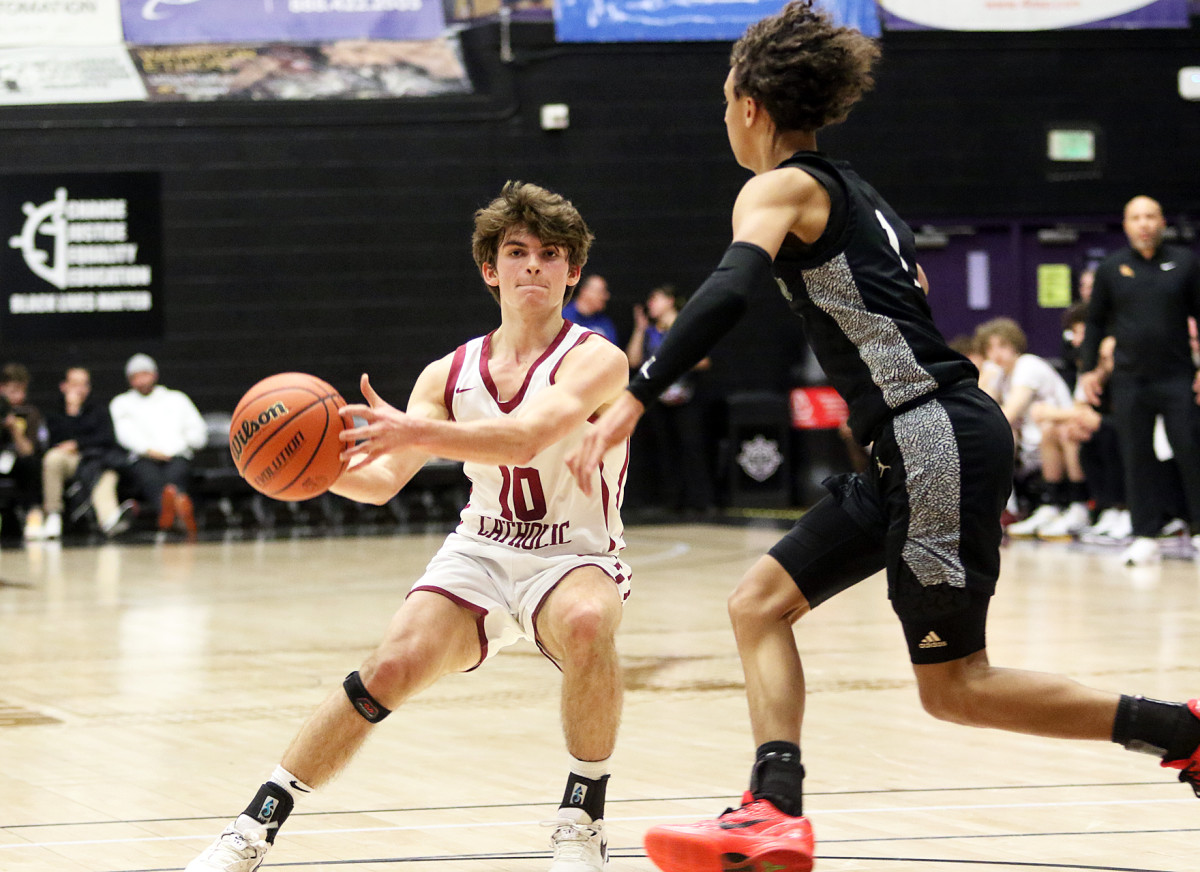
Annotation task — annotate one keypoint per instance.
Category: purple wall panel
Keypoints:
(1015, 252)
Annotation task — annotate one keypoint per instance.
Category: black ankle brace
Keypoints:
(778, 776)
(585, 793)
(270, 807)
(366, 705)
(1164, 729)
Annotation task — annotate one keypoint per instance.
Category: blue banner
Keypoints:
(174, 22)
(678, 20)
(991, 15)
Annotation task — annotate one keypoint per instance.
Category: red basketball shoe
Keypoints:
(1189, 765)
(757, 837)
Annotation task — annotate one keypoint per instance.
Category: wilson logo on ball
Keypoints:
(242, 437)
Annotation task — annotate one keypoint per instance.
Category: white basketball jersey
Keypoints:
(538, 507)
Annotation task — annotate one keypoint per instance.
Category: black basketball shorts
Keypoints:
(927, 511)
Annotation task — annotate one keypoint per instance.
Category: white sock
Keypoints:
(593, 769)
(289, 782)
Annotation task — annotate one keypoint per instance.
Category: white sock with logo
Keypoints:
(289, 782)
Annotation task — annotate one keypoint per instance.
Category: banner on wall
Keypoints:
(81, 256)
(59, 22)
(343, 70)
(1002, 15)
(677, 20)
(173, 22)
(73, 74)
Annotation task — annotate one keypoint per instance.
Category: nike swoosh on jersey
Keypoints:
(1166, 266)
(464, 390)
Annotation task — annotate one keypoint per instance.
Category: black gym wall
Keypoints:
(334, 237)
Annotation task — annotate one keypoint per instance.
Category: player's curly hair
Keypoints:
(551, 217)
(806, 71)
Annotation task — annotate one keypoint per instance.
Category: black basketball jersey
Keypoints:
(864, 312)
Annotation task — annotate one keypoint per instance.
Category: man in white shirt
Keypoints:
(160, 428)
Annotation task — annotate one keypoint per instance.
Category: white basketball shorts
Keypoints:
(505, 588)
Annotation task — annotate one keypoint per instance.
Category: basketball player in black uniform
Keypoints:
(927, 510)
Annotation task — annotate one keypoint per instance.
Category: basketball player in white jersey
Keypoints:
(533, 557)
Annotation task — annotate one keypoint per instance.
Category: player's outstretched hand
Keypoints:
(615, 425)
(383, 430)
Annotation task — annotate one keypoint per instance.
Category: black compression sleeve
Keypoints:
(718, 305)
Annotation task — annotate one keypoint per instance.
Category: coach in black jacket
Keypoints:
(1143, 296)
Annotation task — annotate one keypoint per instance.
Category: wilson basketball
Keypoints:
(285, 436)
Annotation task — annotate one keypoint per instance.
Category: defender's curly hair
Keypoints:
(806, 71)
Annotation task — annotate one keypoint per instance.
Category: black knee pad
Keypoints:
(365, 704)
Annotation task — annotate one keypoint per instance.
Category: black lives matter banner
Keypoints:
(80, 256)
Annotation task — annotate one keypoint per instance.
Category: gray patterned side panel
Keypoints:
(926, 441)
(881, 345)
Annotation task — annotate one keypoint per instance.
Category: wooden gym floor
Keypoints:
(147, 690)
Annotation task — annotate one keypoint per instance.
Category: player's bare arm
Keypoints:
(590, 376)
(768, 208)
(375, 476)
(779, 202)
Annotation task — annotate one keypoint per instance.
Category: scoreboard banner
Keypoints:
(173, 22)
(1004, 15)
(678, 20)
(80, 256)
(59, 22)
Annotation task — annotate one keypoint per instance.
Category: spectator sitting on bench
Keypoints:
(22, 441)
(160, 428)
(82, 447)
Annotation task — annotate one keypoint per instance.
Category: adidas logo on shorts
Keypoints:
(932, 640)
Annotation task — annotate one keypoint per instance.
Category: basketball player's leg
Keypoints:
(943, 561)
(972, 692)
(576, 626)
(826, 552)
(428, 637)
(838, 543)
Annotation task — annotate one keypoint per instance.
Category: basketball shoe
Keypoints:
(1028, 529)
(754, 838)
(1189, 766)
(578, 847)
(241, 848)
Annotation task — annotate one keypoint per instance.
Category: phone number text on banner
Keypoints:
(174, 22)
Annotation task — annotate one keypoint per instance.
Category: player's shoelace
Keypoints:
(747, 809)
(235, 846)
(571, 840)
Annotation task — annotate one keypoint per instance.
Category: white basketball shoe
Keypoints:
(1066, 525)
(1027, 529)
(241, 848)
(578, 847)
(1144, 551)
